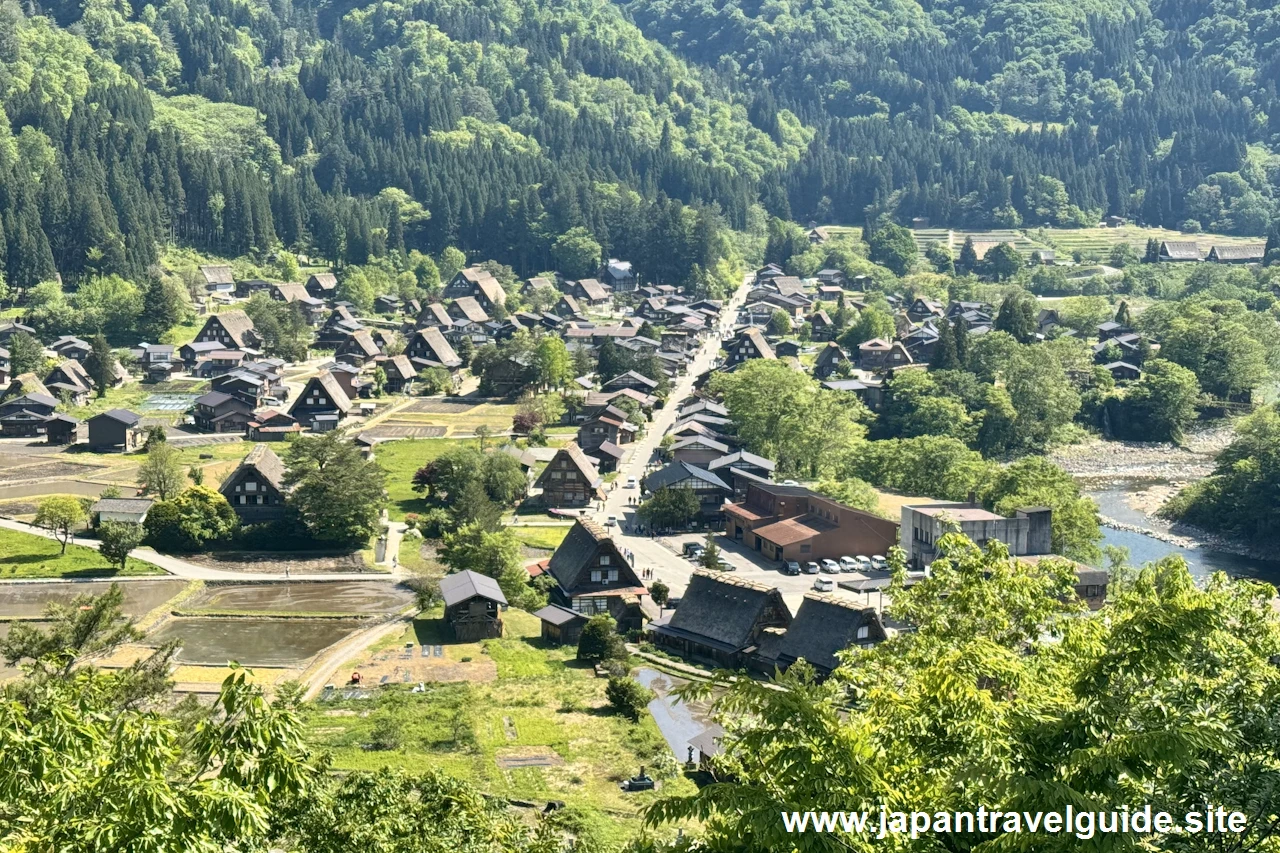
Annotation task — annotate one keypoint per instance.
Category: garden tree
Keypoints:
(452, 260)
(482, 435)
(425, 273)
(284, 328)
(577, 253)
(60, 515)
(968, 260)
(599, 640)
(155, 435)
(1034, 481)
(628, 697)
(871, 323)
(25, 355)
(960, 336)
(1152, 253)
(446, 475)
(100, 364)
(162, 472)
(287, 266)
(333, 490)
(466, 351)
(434, 380)
(494, 553)
(612, 361)
(660, 593)
(379, 380)
(945, 356)
(710, 557)
(1238, 499)
(167, 787)
(1017, 316)
(669, 509)
(554, 367)
(472, 505)
(118, 539)
(1160, 405)
(851, 491)
(1002, 261)
(1123, 255)
(940, 256)
(893, 246)
(504, 479)
(164, 305)
(989, 355)
(432, 812)
(779, 323)
(194, 520)
(534, 411)
(787, 416)
(1123, 317)
(354, 287)
(108, 305)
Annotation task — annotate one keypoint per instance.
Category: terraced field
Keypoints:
(1090, 242)
(1099, 241)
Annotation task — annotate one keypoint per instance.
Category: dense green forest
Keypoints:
(353, 131)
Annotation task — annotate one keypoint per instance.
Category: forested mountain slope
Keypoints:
(925, 108)
(352, 130)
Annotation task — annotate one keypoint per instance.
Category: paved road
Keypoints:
(652, 553)
(662, 554)
(184, 569)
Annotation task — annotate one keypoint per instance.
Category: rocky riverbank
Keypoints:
(1102, 460)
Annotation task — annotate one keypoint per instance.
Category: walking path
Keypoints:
(193, 571)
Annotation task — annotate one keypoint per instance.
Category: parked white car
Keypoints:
(830, 567)
(864, 563)
(879, 562)
(848, 564)
(824, 585)
(631, 483)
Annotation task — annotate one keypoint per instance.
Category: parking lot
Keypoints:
(754, 566)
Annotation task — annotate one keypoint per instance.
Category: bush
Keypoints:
(387, 734)
(628, 696)
(615, 668)
(599, 640)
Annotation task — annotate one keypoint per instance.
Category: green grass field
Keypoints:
(401, 459)
(25, 555)
(542, 537)
(542, 704)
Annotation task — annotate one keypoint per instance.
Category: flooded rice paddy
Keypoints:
(252, 642)
(26, 600)
(357, 597)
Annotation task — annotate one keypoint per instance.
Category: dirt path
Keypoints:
(321, 670)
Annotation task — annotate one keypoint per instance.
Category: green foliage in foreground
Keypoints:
(1003, 697)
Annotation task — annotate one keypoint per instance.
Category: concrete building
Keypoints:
(1027, 533)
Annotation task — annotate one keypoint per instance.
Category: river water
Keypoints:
(1113, 501)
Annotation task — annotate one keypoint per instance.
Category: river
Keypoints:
(1114, 502)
